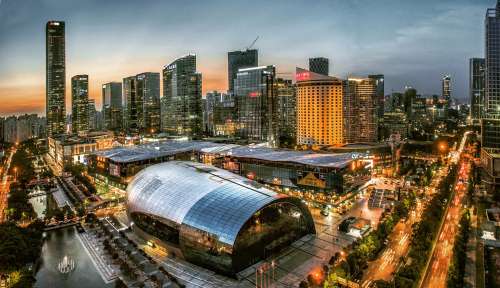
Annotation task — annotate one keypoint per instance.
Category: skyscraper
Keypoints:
(379, 82)
(55, 85)
(446, 89)
(112, 105)
(141, 94)
(286, 107)
(490, 124)
(255, 104)
(319, 109)
(237, 60)
(181, 102)
(148, 89)
(476, 88)
(130, 104)
(319, 65)
(360, 110)
(93, 125)
(80, 104)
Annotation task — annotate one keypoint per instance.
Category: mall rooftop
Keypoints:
(166, 148)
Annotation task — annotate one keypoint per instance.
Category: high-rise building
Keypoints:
(319, 109)
(55, 85)
(476, 88)
(319, 65)
(237, 60)
(211, 101)
(80, 104)
(93, 124)
(490, 124)
(255, 104)
(360, 110)
(379, 82)
(112, 105)
(148, 89)
(141, 95)
(286, 105)
(409, 97)
(446, 89)
(181, 103)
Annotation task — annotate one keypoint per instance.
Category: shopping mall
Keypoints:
(217, 219)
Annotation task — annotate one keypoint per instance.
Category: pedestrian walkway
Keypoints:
(94, 250)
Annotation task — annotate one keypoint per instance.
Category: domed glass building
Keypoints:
(217, 219)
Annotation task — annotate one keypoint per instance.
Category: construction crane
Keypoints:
(253, 43)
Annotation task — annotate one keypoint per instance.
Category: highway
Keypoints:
(437, 270)
(4, 187)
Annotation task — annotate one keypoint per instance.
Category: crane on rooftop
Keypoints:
(253, 43)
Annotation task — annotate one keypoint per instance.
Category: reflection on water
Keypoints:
(61, 243)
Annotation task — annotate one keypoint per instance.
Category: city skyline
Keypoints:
(307, 30)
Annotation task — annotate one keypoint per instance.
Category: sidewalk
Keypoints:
(470, 264)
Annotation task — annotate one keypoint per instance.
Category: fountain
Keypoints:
(66, 265)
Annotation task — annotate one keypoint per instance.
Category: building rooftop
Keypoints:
(166, 148)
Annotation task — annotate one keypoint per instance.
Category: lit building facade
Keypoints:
(379, 82)
(446, 89)
(80, 104)
(476, 88)
(319, 109)
(182, 101)
(94, 122)
(360, 111)
(319, 65)
(112, 108)
(238, 60)
(55, 85)
(256, 104)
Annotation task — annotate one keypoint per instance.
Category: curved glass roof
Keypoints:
(197, 195)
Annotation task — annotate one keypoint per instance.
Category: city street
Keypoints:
(437, 270)
(4, 187)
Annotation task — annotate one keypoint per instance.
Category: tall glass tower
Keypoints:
(181, 103)
(319, 65)
(476, 88)
(256, 104)
(80, 103)
(55, 58)
(112, 105)
(238, 60)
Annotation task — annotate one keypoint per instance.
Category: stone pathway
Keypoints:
(92, 247)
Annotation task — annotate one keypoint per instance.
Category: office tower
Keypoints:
(255, 104)
(319, 65)
(319, 108)
(476, 88)
(409, 97)
(394, 102)
(80, 103)
(10, 129)
(130, 103)
(286, 105)
(148, 90)
(211, 101)
(55, 84)
(360, 110)
(394, 123)
(141, 95)
(112, 110)
(181, 102)
(92, 115)
(379, 82)
(237, 60)
(224, 116)
(490, 124)
(446, 89)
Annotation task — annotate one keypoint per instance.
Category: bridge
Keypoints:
(61, 225)
(40, 193)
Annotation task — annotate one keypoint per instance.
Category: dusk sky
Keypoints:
(411, 42)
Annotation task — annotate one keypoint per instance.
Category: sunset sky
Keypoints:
(411, 42)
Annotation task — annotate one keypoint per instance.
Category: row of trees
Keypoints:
(456, 272)
(424, 233)
(78, 171)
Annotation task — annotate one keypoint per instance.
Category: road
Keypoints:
(4, 187)
(437, 270)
